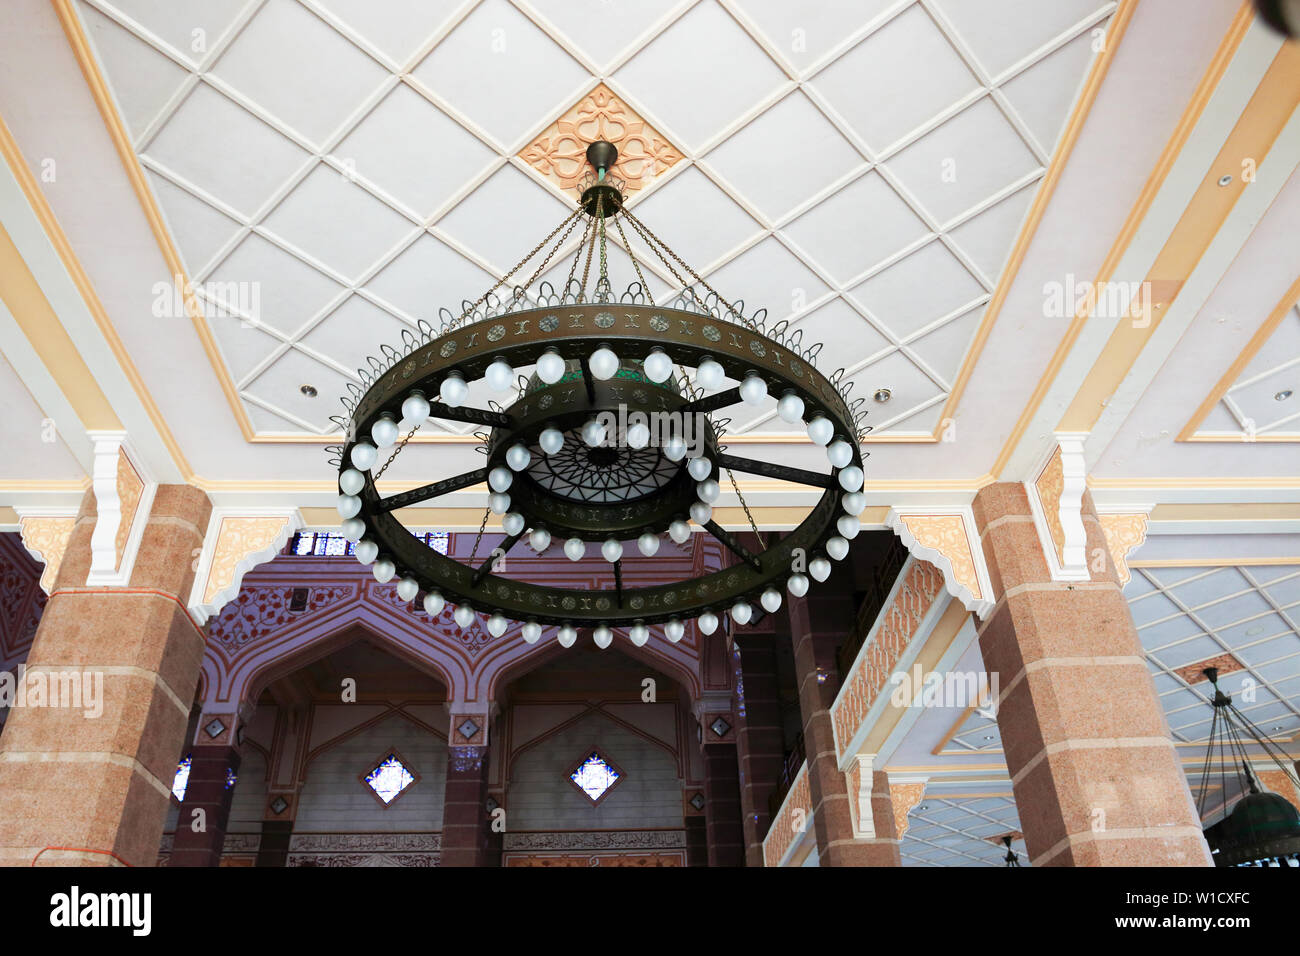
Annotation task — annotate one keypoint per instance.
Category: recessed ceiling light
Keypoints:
(1283, 395)
(1225, 180)
(989, 737)
(883, 395)
(308, 390)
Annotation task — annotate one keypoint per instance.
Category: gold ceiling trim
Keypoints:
(1254, 133)
(1280, 311)
(1182, 131)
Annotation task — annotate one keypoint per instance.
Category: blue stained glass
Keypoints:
(182, 778)
(595, 776)
(389, 779)
(230, 778)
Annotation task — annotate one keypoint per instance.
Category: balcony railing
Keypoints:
(882, 582)
(789, 770)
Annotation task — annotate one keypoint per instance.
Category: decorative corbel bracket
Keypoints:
(123, 497)
(906, 793)
(859, 781)
(1056, 502)
(45, 533)
(237, 540)
(1125, 530)
(946, 537)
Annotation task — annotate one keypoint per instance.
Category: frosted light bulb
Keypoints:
(657, 366)
(500, 478)
(566, 636)
(551, 440)
(408, 588)
(518, 457)
(513, 523)
(363, 456)
(550, 367)
(366, 551)
(648, 544)
(463, 615)
(539, 540)
(638, 436)
(434, 603)
(348, 506)
(790, 408)
(821, 430)
(853, 502)
(837, 548)
(638, 634)
(603, 363)
(701, 513)
(708, 490)
(603, 637)
(383, 570)
(819, 568)
(353, 529)
(839, 453)
(709, 375)
(674, 630)
(384, 431)
(531, 632)
(415, 410)
(497, 624)
(575, 549)
(498, 503)
(851, 478)
(707, 622)
(500, 376)
(454, 390)
(611, 550)
(771, 599)
(700, 468)
(753, 390)
(593, 433)
(848, 526)
(675, 448)
(741, 612)
(351, 481)
(797, 584)
(679, 531)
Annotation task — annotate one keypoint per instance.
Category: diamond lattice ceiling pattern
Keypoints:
(862, 168)
(1265, 398)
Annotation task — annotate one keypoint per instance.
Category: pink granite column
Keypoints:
(209, 789)
(759, 738)
(725, 832)
(814, 656)
(464, 810)
(87, 789)
(1096, 778)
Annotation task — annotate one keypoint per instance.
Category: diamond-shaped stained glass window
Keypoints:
(594, 776)
(389, 778)
(182, 780)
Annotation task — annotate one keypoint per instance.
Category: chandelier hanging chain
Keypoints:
(618, 224)
(736, 488)
(479, 537)
(678, 259)
(519, 265)
(549, 256)
(396, 451)
(603, 278)
(591, 249)
(636, 225)
(577, 256)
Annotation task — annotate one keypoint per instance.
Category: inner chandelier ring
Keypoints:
(609, 440)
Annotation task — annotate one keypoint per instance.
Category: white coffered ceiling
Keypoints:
(861, 167)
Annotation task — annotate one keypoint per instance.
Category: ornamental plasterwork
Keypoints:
(1056, 502)
(792, 820)
(1123, 532)
(233, 546)
(905, 796)
(858, 780)
(947, 539)
(560, 153)
(130, 488)
(46, 539)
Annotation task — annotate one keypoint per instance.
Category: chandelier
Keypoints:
(1263, 829)
(609, 439)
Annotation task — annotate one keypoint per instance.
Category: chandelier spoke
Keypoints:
(431, 490)
(711, 403)
(476, 416)
(618, 582)
(733, 543)
(781, 472)
(482, 571)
